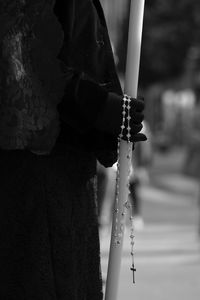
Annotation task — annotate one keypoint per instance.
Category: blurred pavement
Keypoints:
(167, 249)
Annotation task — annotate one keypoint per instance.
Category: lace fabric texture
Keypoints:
(31, 81)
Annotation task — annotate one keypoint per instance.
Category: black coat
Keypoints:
(70, 60)
(49, 246)
(89, 65)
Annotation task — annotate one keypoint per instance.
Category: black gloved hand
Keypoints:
(110, 120)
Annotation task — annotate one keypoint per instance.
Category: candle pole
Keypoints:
(130, 88)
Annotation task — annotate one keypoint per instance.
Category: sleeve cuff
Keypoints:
(91, 100)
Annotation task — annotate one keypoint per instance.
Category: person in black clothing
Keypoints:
(60, 112)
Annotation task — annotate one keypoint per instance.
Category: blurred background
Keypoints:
(165, 188)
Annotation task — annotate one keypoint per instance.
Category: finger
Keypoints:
(137, 118)
(137, 105)
(140, 98)
(139, 137)
(136, 128)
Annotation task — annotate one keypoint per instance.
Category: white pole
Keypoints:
(130, 88)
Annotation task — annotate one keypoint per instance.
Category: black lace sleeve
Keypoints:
(9, 13)
(31, 80)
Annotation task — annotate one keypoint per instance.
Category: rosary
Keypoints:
(120, 216)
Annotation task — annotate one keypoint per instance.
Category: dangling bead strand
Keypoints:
(120, 220)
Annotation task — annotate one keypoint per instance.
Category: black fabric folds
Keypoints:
(31, 80)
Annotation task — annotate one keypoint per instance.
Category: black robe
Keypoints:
(57, 83)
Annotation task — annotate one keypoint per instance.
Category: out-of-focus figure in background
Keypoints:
(192, 163)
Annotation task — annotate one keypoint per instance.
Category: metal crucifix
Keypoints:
(133, 269)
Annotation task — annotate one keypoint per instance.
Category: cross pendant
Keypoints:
(133, 269)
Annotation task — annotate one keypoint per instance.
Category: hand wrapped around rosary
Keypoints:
(113, 118)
